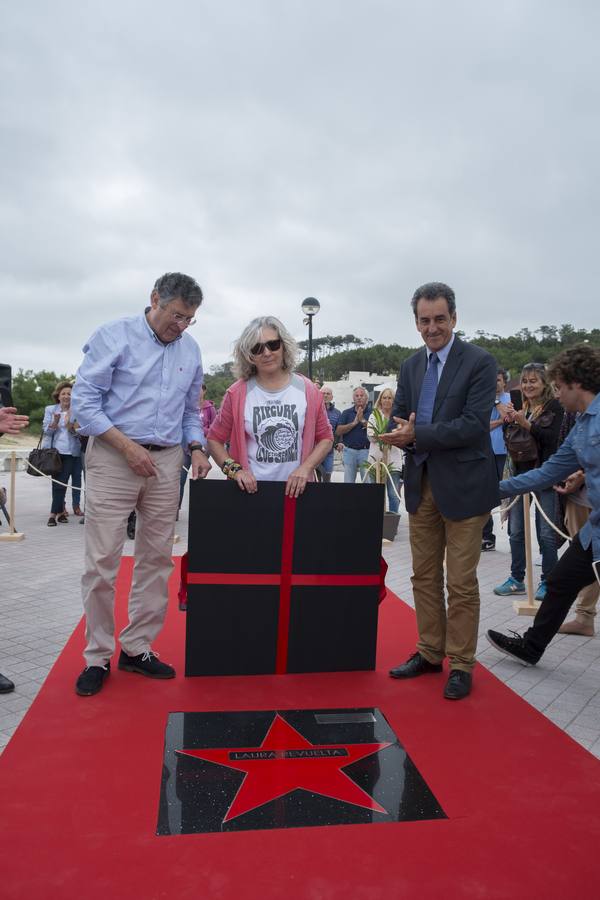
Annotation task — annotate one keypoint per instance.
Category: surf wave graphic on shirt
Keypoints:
(276, 433)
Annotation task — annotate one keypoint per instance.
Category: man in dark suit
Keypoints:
(442, 409)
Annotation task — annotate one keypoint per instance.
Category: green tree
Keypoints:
(32, 392)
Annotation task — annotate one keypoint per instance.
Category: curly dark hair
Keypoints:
(578, 365)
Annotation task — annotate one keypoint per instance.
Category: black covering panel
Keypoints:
(333, 629)
(341, 528)
(231, 531)
(232, 628)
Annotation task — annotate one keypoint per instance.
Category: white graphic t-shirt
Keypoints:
(274, 423)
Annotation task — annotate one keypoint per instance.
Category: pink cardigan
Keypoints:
(228, 427)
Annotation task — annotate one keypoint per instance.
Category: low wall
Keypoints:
(21, 454)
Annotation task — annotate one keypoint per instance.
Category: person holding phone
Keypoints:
(60, 432)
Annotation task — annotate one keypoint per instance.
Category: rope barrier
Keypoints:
(537, 503)
(66, 486)
(388, 474)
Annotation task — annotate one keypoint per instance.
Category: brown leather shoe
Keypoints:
(576, 626)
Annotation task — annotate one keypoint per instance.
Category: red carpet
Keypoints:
(79, 788)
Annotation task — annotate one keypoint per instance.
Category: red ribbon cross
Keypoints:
(285, 579)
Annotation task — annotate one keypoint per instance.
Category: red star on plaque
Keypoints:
(285, 762)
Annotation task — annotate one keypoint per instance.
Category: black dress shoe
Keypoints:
(458, 685)
(416, 665)
(146, 663)
(6, 685)
(91, 680)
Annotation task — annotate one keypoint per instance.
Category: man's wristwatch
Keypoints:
(196, 446)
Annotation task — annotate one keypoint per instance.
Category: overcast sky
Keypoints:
(276, 149)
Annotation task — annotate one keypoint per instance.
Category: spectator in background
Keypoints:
(541, 419)
(352, 429)
(60, 432)
(578, 507)
(324, 470)
(501, 406)
(390, 455)
(10, 423)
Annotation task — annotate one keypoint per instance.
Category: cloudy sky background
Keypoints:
(277, 149)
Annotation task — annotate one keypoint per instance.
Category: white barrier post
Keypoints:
(530, 606)
(12, 534)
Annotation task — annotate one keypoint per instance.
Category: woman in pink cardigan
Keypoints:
(273, 419)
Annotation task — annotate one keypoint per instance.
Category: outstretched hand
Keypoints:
(403, 434)
(10, 422)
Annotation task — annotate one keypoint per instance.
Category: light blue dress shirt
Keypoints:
(497, 435)
(130, 380)
(442, 355)
(580, 450)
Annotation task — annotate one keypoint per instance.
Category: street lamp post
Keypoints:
(310, 307)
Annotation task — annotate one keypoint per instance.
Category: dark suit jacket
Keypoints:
(460, 466)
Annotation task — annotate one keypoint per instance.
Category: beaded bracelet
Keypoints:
(230, 467)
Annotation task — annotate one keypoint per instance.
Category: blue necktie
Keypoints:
(427, 400)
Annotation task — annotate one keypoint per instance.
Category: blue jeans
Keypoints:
(393, 500)
(352, 460)
(516, 531)
(71, 468)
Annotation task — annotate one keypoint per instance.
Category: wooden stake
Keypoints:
(530, 606)
(12, 534)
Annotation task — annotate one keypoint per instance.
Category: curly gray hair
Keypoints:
(243, 367)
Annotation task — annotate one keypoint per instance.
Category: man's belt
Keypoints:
(157, 446)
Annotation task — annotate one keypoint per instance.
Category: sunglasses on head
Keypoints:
(259, 349)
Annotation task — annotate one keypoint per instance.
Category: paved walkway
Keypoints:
(40, 605)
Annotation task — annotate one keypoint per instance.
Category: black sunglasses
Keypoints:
(259, 349)
(541, 366)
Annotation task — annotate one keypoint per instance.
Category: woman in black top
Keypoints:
(540, 420)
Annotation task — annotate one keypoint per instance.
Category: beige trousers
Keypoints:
(587, 599)
(113, 490)
(443, 632)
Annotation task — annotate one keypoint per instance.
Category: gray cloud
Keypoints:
(280, 149)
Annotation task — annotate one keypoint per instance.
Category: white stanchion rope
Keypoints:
(62, 483)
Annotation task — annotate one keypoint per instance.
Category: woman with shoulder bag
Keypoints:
(60, 432)
(531, 437)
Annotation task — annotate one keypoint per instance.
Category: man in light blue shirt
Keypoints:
(576, 375)
(135, 396)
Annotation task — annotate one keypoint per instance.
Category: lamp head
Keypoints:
(310, 306)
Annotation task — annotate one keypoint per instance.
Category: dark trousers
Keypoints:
(488, 528)
(572, 572)
(71, 468)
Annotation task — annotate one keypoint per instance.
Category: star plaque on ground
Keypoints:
(236, 771)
